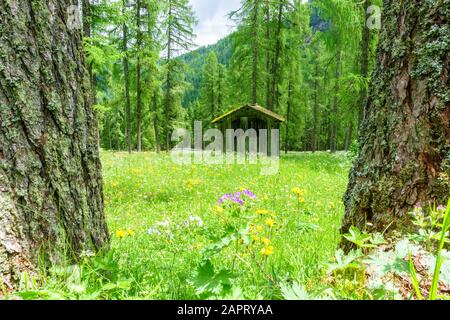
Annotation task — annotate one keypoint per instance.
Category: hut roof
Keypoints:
(255, 107)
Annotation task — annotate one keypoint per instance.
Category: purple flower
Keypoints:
(236, 197)
(441, 208)
(249, 194)
(225, 197)
(418, 205)
(238, 200)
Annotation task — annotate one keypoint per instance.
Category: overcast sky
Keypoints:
(213, 23)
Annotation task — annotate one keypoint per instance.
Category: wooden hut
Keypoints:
(249, 116)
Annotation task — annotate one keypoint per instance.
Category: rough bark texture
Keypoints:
(404, 148)
(51, 201)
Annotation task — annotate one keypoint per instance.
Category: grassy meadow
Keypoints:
(227, 232)
(164, 218)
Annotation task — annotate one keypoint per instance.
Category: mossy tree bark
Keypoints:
(404, 146)
(51, 202)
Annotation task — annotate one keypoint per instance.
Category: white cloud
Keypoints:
(213, 21)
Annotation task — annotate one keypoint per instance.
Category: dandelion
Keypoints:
(130, 232)
(262, 212)
(265, 241)
(255, 238)
(258, 228)
(121, 234)
(270, 222)
(267, 251)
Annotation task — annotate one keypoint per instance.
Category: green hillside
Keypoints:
(196, 60)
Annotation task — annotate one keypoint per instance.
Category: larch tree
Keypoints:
(126, 72)
(247, 59)
(210, 87)
(139, 50)
(179, 21)
(51, 202)
(405, 141)
(342, 33)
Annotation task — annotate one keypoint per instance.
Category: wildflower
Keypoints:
(258, 228)
(262, 212)
(231, 197)
(121, 234)
(218, 209)
(301, 200)
(255, 238)
(130, 232)
(298, 191)
(87, 254)
(196, 219)
(441, 208)
(270, 222)
(265, 241)
(267, 251)
(153, 231)
(249, 194)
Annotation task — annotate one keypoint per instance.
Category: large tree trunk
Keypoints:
(404, 155)
(51, 199)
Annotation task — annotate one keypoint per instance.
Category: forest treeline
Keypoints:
(309, 62)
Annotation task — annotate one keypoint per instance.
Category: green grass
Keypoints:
(142, 190)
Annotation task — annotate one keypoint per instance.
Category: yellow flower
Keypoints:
(298, 191)
(262, 212)
(259, 228)
(265, 241)
(301, 199)
(255, 238)
(192, 183)
(121, 234)
(218, 209)
(130, 232)
(270, 222)
(267, 251)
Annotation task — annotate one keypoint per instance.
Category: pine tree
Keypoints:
(179, 20)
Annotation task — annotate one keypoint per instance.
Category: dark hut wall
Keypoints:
(246, 119)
